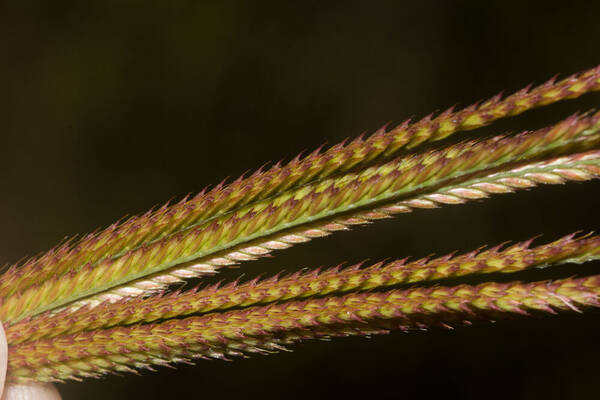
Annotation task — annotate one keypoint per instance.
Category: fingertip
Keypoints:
(3, 357)
(31, 391)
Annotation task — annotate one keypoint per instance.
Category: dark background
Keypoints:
(108, 109)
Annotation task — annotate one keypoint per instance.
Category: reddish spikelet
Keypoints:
(310, 206)
(406, 307)
(120, 238)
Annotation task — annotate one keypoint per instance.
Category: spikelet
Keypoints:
(120, 238)
(357, 192)
(306, 284)
(219, 329)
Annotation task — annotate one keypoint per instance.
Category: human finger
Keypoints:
(31, 391)
(3, 357)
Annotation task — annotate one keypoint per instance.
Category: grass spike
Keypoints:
(97, 366)
(406, 307)
(352, 193)
(519, 256)
(120, 238)
(81, 309)
(577, 167)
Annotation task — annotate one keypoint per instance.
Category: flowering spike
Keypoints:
(119, 238)
(98, 303)
(310, 283)
(218, 334)
(582, 161)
